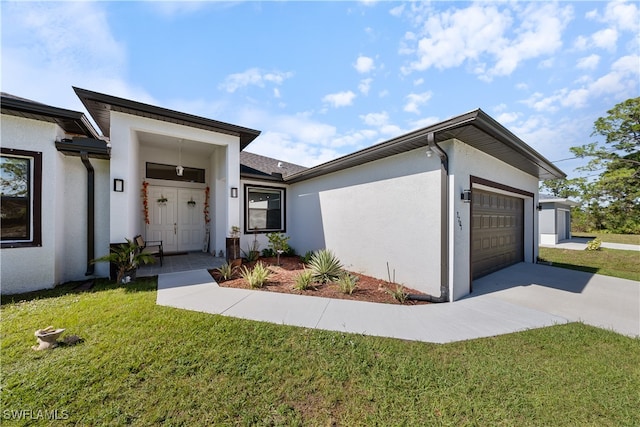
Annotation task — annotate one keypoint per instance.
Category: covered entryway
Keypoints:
(179, 220)
(497, 234)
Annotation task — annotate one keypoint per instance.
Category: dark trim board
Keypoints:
(498, 186)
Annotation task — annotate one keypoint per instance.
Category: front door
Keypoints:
(179, 220)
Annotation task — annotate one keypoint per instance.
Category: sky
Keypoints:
(325, 79)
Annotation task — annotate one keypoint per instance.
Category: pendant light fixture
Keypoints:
(179, 168)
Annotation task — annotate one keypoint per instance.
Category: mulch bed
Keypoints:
(283, 276)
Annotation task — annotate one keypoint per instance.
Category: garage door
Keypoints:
(497, 232)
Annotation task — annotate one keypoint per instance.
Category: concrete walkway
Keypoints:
(517, 298)
(580, 243)
(597, 300)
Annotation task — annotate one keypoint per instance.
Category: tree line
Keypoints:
(610, 202)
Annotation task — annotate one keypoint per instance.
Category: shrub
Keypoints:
(226, 271)
(307, 257)
(279, 243)
(268, 253)
(256, 277)
(593, 245)
(398, 294)
(304, 281)
(325, 266)
(347, 283)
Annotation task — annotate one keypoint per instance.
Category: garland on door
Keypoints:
(206, 206)
(145, 201)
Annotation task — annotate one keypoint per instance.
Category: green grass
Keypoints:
(141, 364)
(610, 262)
(630, 239)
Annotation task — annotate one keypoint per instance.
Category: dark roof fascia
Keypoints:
(62, 117)
(492, 127)
(95, 148)
(417, 139)
(261, 177)
(113, 103)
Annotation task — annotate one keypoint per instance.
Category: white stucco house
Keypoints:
(554, 218)
(440, 205)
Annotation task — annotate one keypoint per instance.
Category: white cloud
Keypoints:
(364, 64)
(253, 77)
(375, 119)
(47, 49)
(422, 123)
(589, 62)
(624, 15)
(418, 82)
(397, 11)
(619, 83)
(415, 100)
(506, 118)
(483, 31)
(365, 86)
(605, 39)
(340, 99)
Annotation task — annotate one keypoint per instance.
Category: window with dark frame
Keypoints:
(264, 209)
(20, 205)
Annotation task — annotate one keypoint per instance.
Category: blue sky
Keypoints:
(324, 79)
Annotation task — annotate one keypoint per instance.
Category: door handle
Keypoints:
(175, 228)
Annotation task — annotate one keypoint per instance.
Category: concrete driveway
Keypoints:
(602, 301)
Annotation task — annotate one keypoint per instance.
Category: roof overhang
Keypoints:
(475, 128)
(100, 107)
(560, 201)
(72, 122)
(94, 148)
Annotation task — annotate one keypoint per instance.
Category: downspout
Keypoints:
(444, 225)
(90, 211)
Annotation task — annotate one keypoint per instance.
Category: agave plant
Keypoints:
(304, 281)
(226, 271)
(325, 266)
(257, 276)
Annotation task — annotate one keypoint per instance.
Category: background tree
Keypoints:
(613, 199)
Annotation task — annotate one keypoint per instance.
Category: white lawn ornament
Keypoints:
(47, 338)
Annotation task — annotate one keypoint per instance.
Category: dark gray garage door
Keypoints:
(496, 232)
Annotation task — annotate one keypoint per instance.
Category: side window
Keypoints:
(264, 209)
(20, 204)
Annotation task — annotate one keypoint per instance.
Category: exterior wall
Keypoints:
(62, 256)
(382, 212)
(464, 162)
(128, 163)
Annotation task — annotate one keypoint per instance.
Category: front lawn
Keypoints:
(629, 239)
(610, 262)
(142, 364)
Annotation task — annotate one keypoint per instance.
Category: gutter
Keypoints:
(444, 226)
(84, 156)
(85, 148)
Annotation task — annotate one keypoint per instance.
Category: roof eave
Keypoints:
(107, 102)
(60, 115)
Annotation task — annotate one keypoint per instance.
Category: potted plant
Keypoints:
(233, 244)
(126, 257)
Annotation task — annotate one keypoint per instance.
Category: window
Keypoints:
(264, 208)
(168, 172)
(20, 205)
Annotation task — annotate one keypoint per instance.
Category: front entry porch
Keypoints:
(181, 262)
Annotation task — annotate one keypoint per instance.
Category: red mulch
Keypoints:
(283, 276)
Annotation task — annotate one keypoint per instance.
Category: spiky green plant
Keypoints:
(399, 294)
(257, 276)
(226, 271)
(347, 283)
(325, 266)
(304, 281)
